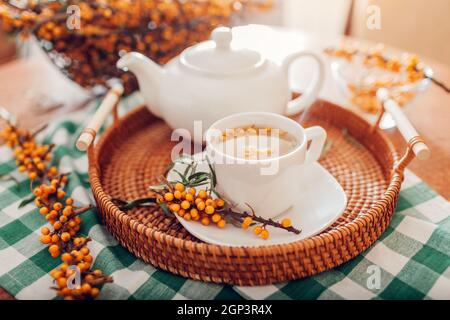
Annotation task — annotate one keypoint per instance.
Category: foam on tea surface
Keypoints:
(255, 143)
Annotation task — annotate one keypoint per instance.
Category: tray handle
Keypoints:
(109, 103)
(416, 145)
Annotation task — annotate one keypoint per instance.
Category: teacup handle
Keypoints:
(317, 135)
(309, 96)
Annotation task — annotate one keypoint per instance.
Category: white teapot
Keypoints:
(211, 80)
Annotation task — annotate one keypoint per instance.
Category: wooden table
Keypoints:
(431, 118)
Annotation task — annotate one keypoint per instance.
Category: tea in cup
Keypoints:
(257, 157)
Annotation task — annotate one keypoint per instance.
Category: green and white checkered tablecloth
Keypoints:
(410, 261)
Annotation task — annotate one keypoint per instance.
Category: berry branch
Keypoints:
(64, 218)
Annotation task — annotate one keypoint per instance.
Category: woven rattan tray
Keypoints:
(136, 149)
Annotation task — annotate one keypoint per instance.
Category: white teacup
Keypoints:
(268, 186)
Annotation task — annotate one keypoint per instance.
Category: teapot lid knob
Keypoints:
(222, 37)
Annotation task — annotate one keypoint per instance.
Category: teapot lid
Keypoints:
(217, 56)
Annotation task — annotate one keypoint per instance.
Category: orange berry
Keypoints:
(94, 292)
(46, 239)
(88, 258)
(192, 191)
(66, 257)
(257, 230)
(247, 221)
(220, 202)
(63, 219)
(187, 217)
(55, 238)
(265, 234)
(86, 288)
(181, 212)
(174, 207)
(194, 213)
(69, 201)
(185, 204)
(179, 187)
(209, 209)
(61, 194)
(189, 197)
(22, 169)
(65, 236)
(205, 221)
(197, 200)
(168, 196)
(62, 282)
(37, 192)
(201, 205)
(43, 211)
(221, 223)
(57, 206)
(216, 217)
(45, 230)
(98, 273)
(177, 194)
(57, 225)
(54, 250)
(52, 170)
(67, 211)
(202, 194)
(32, 175)
(286, 222)
(85, 250)
(209, 202)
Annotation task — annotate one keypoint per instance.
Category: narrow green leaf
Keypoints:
(26, 201)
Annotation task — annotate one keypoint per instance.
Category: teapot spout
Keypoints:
(149, 76)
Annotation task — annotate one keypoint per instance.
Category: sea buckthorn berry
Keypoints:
(192, 191)
(61, 194)
(46, 239)
(65, 236)
(197, 200)
(177, 194)
(55, 273)
(286, 222)
(64, 267)
(174, 207)
(66, 257)
(221, 223)
(209, 209)
(45, 230)
(52, 189)
(67, 211)
(22, 169)
(62, 282)
(55, 238)
(179, 187)
(69, 201)
(194, 213)
(37, 192)
(94, 292)
(187, 216)
(205, 221)
(85, 250)
(63, 219)
(168, 196)
(202, 194)
(57, 206)
(201, 205)
(88, 258)
(220, 202)
(257, 230)
(209, 202)
(32, 175)
(89, 277)
(86, 288)
(54, 250)
(185, 204)
(98, 273)
(40, 166)
(265, 234)
(57, 225)
(216, 217)
(247, 221)
(52, 170)
(189, 197)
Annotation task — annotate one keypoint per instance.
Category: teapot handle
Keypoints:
(310, 95)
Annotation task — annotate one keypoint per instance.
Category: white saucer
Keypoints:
(321, 201)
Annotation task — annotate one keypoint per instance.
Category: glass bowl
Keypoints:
(359, 84)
